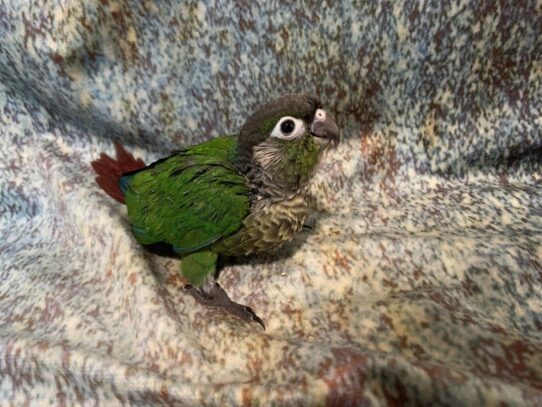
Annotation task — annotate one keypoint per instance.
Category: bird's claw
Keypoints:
(253, 317)
(214, 296)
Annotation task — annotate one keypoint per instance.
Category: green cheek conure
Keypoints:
(233, 195)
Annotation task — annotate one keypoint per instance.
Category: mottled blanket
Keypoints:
(421, 282)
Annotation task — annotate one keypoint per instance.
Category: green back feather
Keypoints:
(189, 200)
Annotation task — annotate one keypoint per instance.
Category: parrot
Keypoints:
(233, 195)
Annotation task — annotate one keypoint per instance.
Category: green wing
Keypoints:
(191, 199)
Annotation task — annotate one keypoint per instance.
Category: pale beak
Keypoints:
(324, 127)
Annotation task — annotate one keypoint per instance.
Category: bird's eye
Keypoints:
(287, 126)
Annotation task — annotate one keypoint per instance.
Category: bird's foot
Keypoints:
(310, 223)
(212, 295)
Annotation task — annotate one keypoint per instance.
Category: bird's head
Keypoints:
(291, 117)
(285, 137)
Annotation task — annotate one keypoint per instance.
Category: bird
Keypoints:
(233, 195)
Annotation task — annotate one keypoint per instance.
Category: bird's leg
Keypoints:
(212, 295)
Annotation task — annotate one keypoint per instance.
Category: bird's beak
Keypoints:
(325, 129)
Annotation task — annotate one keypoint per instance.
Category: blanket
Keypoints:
(421, 280)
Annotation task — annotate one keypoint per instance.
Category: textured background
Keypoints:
(422, 281)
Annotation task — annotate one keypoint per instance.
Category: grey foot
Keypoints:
(212, 295)
(310, 223)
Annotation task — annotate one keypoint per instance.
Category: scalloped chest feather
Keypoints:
(271, 223)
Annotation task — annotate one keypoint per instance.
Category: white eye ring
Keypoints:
(288, 128)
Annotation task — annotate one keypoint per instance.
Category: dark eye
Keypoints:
(287, 126)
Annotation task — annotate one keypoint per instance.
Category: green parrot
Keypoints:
(233, 195)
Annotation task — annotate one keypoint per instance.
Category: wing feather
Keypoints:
(189, 200)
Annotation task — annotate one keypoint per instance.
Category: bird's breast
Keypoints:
(271, 223)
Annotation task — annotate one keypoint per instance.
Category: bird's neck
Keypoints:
(282, 169)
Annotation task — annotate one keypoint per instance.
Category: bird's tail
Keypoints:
(110, 170)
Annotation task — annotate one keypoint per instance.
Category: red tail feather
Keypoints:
(109, 170)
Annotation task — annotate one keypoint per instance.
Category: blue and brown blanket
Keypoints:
(421, 282)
